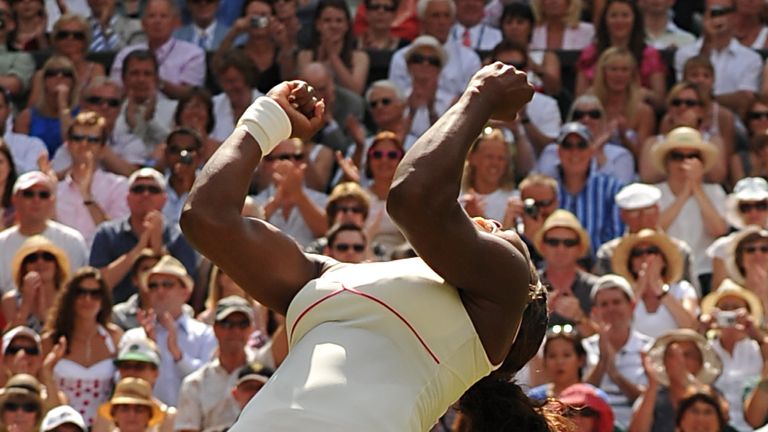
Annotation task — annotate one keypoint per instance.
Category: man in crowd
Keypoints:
(110, 30)
(470, 30)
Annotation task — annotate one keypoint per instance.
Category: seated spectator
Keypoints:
(405, 24)
(609, 157)
(33, 199)
(8, 175)
(118, 243)
(347, 243)
(195, 111)
(21, 406)
(538, 200)
(378, 35)
(111, 30)
(23, 150)
(613, 354)
(563, 360)
(748, 260)
(752, 161)
(250, 379)
(677, 360)
(125, 314)
(88, 195)
(131, 407)
(48, 117)
(653, 265)
(621, 26)
(235, 74)
(269, 43)
(425, 58)
(23, 354)
(685, 107)
(63, 418)
(660, 29)
(562, 241)
(221, 286)
(70, 38)
(185, 344)
(17, 68)
(182, 156)
(40, 270)
(470, 30)
(80, 335)
(347, 204)
(587, 408)
(746, 206)
(735, 316)
(125, 151)
(691, 210)
(29, 34)
(204, 28)
(751, 30)
(180, 64)
(332, 43)
(702, 408)
(558, 26)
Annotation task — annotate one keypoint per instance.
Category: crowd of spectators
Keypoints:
(636, 176)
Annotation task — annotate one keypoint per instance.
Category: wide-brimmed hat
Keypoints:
(581, 396)
(746, 189)
(35, 244)
(729, 288)
(671, 253)
(734, 272)
(133, 391)
(683, 137)
(563, 219)
(170, 266)
(24, 386)
(711, 365)
(60, 415)
(431, 42)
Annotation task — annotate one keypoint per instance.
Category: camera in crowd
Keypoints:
(259, 21)
(186, 157)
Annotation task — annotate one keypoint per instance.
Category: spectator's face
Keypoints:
(517, 29)
(97, 6)
(158, 21)
(678, 158)
(686, 108)
(203, 11)
(84, 141)
(754, 212)
(641, 218)
(18, 415)
(349, 211)
(554, 9)
(575, 154)
(561, 248)
(138, 369)
(424, 67)
(173, 153)
(131, 418)
(754, 254)
(618, 73)
(385, 107)
(688, 351)
(644, 253)
(57, 75)
(287, 152)
(71, 38)
(88, 299)
(438, 20)
(470, 12)
(42, 262)
(489, 162)
(258, 9)
(105, 100)
(544, 196)
(611, 306)
(234, 84)
(140, 79)
(145, 195)
(590, 115)
(23, 356)
(718, 23)
(702, 77)
(34, 204)
(757, 118)
(285, 9)
(195, 115)
(233, 332)
(619, 19)
(561, 362)
(383, 159)
(699, 417)
(380, 14)
(332, 24)
(348, 247)
(167, 294)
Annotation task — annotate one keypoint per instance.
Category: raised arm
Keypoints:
(260, 258)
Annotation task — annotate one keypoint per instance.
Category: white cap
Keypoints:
(22, 331)
(612, 281)
(60, 415)
(637, 195)
(32, 178)
(149, 173)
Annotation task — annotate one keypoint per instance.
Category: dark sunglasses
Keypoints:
(85, 292)
(230, 324)
(13, 349)
(135, 365)
(296, 157)
(140, 189)
(690, 103)
(90, 138)
(746, 207)
(380, 7)
(679, 156)
(55, 72)
(421, 59)
(757, 115)
(391, 155)
(35, 257)
(555, 242)
(28, 407)
(720, 11)
(383, 102)
(167, 284)
(344, 247)
(519, 66)
(581, 145)
(69, 34)
(355, 210)
(582, 412)
(98, 100)
(593, 114)
(753, 249)
(639, 252)
(40, 194)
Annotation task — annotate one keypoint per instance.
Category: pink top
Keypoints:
(651, 64)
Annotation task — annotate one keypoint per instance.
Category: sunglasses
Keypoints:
(28, 407)
(690, 103)
(69, 34)
(13, 349)
(421, 59)
(391, 155)
(582, 412)
(140, 189)
(44, 195)
(639, 252)
(355, 210)
(516, 65)
(720, 11)
(383, 102)
(67, 73)
(296, 157)
(35, 257)
(380, 7)
(167, 284)
(98, 100)
(344, 247)
(746, 207)
(679, 156)
(135, 365)
(86, 292)
(593, 114)
(230, 324)
(754, 249)
(555, 242)
(90, 138)
(581, 145)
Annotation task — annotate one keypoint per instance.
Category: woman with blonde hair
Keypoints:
(558, 25)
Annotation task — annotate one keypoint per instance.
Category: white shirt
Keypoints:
(736, 67)
(672, 36)
(619, 162)
(482, 37)
(225, 118)
(155, 130)
(126, 145)
(738, 370)
(544, 113)
(495, 203)
(574, 38)
(421, 121)
(657, 323)
(293, 225)
(25, 150)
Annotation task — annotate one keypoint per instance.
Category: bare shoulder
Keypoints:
(115, 332)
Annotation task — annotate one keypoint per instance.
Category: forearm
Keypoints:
(312, 214)
(642, 418)
(630, 390)
(94, 210)
(175, 91)
(756, 405)
(12, 84)
(713, 222)
(525, 156)
(595, 376)
(115, 271)
(537, 138)
(682, 316)
(669, 214)
(115, 164)
(737, 101)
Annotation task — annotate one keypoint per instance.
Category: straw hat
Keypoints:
(746, 189)
(683, 137)
(672, 255)
(563, 219)
(729, 288)
(132, 391)
(169, 265)
(711, 366)
(34, 244)
(734, 272)
(24, 386)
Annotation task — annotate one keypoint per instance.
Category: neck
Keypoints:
(381, 188)
(137, 223)
(85, 326)
(676, 183)
(718, 42)
(485, 187)
(30, 228)
(231, 361)
(655, 23)
(397, 126)
(561, 273)
(620, 42)
(182, 183)
(379, 34)
(156, 43)
(574, 181)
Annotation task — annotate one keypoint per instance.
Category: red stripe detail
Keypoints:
(369, 297)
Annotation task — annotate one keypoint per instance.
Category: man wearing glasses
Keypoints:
(181, 160)
(118, 243)
(34, 201)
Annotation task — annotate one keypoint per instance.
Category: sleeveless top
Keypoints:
(374, 347)
(87, 387)
(47, 129)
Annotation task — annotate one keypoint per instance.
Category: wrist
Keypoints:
(267, 122)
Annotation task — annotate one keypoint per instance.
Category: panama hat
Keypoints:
(563, 219)
(132, 391)
(747, 189)
(35, 244)
(22, 386)
(730, 288)
(671, 253)
(711, 366)
(734, 272)
(169, 265)
(683, 137)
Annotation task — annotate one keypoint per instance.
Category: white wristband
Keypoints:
(267, 123)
